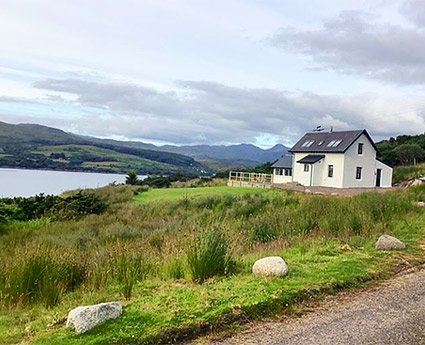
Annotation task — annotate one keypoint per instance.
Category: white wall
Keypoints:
(281, 178)
(366, 161)
(386, 174)
(298, 173)
(337, 160)
(320, 170)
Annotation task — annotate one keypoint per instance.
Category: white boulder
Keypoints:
(84, 318)
(420, 204)
(387, 242)
(272, 266)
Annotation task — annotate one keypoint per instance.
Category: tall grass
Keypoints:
(208, 257)
(128, 271)
(40, 278)
(404, 172)
(43, 260)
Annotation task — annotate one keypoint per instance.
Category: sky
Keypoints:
(213, 72)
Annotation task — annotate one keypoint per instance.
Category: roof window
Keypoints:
(337, 143)
(320, 143)
(334, 143)
(307, 143)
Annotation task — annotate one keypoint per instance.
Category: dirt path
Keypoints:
(391, 313)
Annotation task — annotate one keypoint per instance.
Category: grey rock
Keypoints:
(272, 266)
(84, 318)
(387, 242)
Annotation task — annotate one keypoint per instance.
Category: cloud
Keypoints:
(414, 10)
(207, 112)
(356, 43)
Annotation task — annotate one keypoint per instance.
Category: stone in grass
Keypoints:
(387, 242)
(84, 318)
(272, 266)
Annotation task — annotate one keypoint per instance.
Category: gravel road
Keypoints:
(391, 313)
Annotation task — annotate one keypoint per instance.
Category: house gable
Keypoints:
(366, 161)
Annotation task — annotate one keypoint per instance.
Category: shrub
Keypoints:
(131, 178)
(208, 257)
(76, 205)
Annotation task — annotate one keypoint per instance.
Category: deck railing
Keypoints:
(240, 178)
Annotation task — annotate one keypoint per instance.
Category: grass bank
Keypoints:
(137, 252)
(402, 172)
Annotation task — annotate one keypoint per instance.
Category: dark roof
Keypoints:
(387, 164)
(284, 162)
(321, 140)
(311, 159)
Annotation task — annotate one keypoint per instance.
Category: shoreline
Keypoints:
(70, 171)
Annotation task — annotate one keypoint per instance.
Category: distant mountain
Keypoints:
(37, 146)
(247, 154)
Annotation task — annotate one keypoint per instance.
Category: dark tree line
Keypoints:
(403, 150)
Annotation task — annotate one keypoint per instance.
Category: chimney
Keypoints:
(332, 129)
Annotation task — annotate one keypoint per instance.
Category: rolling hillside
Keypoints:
(40, 147)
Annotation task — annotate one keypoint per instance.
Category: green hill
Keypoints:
(40, 147)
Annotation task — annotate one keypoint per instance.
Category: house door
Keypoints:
(378, 177)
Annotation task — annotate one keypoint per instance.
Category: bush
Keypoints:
(208, 257)
(80, 204)
(76, 205)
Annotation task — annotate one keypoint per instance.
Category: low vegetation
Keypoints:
(49, 206)
(403, 172)
(179, 259)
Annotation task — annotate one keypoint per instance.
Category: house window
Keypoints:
(358, 173)
(288, 172)
(330, 171)
(306, 167)
(360, 149)
(278, 171)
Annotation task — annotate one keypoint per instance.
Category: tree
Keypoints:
(409, 153)
(131, 178)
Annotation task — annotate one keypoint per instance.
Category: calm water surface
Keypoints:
(23, 182)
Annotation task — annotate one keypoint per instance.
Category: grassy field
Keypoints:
(141, 252)
(173, 194)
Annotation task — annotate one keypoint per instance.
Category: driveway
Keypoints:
(391, 313)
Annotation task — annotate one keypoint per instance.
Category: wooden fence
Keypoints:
(247, 179)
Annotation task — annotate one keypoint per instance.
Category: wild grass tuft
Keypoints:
(208, 258)
(128, 271)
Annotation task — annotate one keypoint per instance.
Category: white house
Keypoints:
(345, 159)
